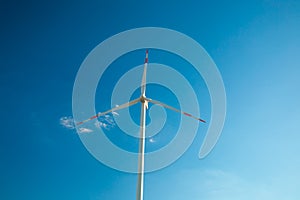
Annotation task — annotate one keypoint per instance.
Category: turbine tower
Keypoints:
(144, 106)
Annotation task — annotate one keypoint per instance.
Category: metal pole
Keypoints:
(141, 161)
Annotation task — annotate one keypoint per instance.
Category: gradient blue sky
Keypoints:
(255, 45)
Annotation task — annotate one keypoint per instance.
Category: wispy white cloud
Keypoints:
(67, 122)
(105, 121)
(151, 140)
(85, 130)
(99, 124)
(115, 113)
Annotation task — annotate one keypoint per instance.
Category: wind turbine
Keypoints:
(144, 106)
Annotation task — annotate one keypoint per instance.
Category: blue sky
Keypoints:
(256, 47)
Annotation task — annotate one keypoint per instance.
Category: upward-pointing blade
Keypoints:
(143, 85)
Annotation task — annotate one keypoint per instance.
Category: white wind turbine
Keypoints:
(144, 106)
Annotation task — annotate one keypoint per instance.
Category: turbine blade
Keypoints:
(125, 105)
(174, 109)
(143, 85)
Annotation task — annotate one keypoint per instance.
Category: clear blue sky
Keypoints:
(255, 45)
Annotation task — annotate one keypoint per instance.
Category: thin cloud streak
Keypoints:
(85, 130)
